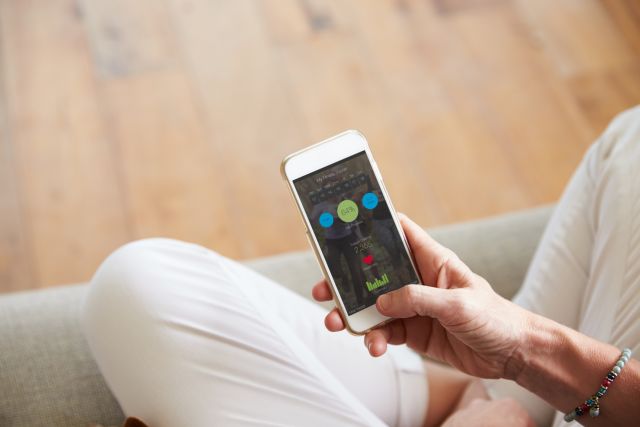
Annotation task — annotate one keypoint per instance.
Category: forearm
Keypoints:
(565, 367)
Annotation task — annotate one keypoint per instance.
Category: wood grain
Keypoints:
(66, 173)
(433, 119)
(577, 35)
(247, 110)
(15, 272)
(172, 172)
(128, 37)
(626, 15)
(122, 120)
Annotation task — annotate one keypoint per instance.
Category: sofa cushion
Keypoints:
(47, 374)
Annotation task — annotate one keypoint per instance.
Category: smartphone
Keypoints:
(351, 225)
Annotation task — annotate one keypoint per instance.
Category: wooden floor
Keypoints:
(126, 119)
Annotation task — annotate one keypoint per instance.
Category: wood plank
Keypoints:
(450, 7)
(626, 15)
(577, 35)
(15, 271)
(510, 93)
(68, 181)
(129, 37)
(249, 117)
(334, 88)
(173, 176)
(290, 20)
(601, 95)
(449, 148)
(135, 119)
(175, 181)
(514, 94)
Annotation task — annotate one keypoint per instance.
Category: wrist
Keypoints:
(533, 337)
(540, 340)
(558, 363)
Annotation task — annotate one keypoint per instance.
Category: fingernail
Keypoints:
(369, 347)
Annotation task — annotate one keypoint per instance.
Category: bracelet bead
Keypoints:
(570, 416)
(592, 404)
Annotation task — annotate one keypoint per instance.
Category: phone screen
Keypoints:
(353, 225)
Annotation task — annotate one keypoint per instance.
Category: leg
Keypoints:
(586, 271)
(185, 336)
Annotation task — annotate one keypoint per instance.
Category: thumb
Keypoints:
(430, 255)
(415, 300)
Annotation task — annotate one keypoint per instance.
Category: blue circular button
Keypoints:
(370, 200)
(326, 219)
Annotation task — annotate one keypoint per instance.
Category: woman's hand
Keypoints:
(454, 317)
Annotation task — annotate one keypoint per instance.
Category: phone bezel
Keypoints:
(318, 156)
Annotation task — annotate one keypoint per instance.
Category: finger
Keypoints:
(333, 321)
(430, 255)
(396, 332)
(321, 292)
(376, 341)
(416, 300)
(392, 333)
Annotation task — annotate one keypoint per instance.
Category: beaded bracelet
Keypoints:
(593, 403)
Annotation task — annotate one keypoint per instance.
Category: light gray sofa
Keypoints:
(48, 377)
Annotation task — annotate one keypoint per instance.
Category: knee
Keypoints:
(139, 288)
(624, 122)
(126, 268)
(130, 283)
(622, 135)
(143, 276)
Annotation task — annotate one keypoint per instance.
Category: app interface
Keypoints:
(357, 235)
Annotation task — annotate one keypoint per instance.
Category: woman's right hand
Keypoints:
(455, 317)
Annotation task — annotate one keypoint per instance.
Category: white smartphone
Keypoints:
(351, 225)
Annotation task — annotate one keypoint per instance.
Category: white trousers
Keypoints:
(586, 271)
(186, 337)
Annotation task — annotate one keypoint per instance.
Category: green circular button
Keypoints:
(347, 210)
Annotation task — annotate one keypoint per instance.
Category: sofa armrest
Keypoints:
(498, 248)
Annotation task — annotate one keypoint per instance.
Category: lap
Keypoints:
(186, 336)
